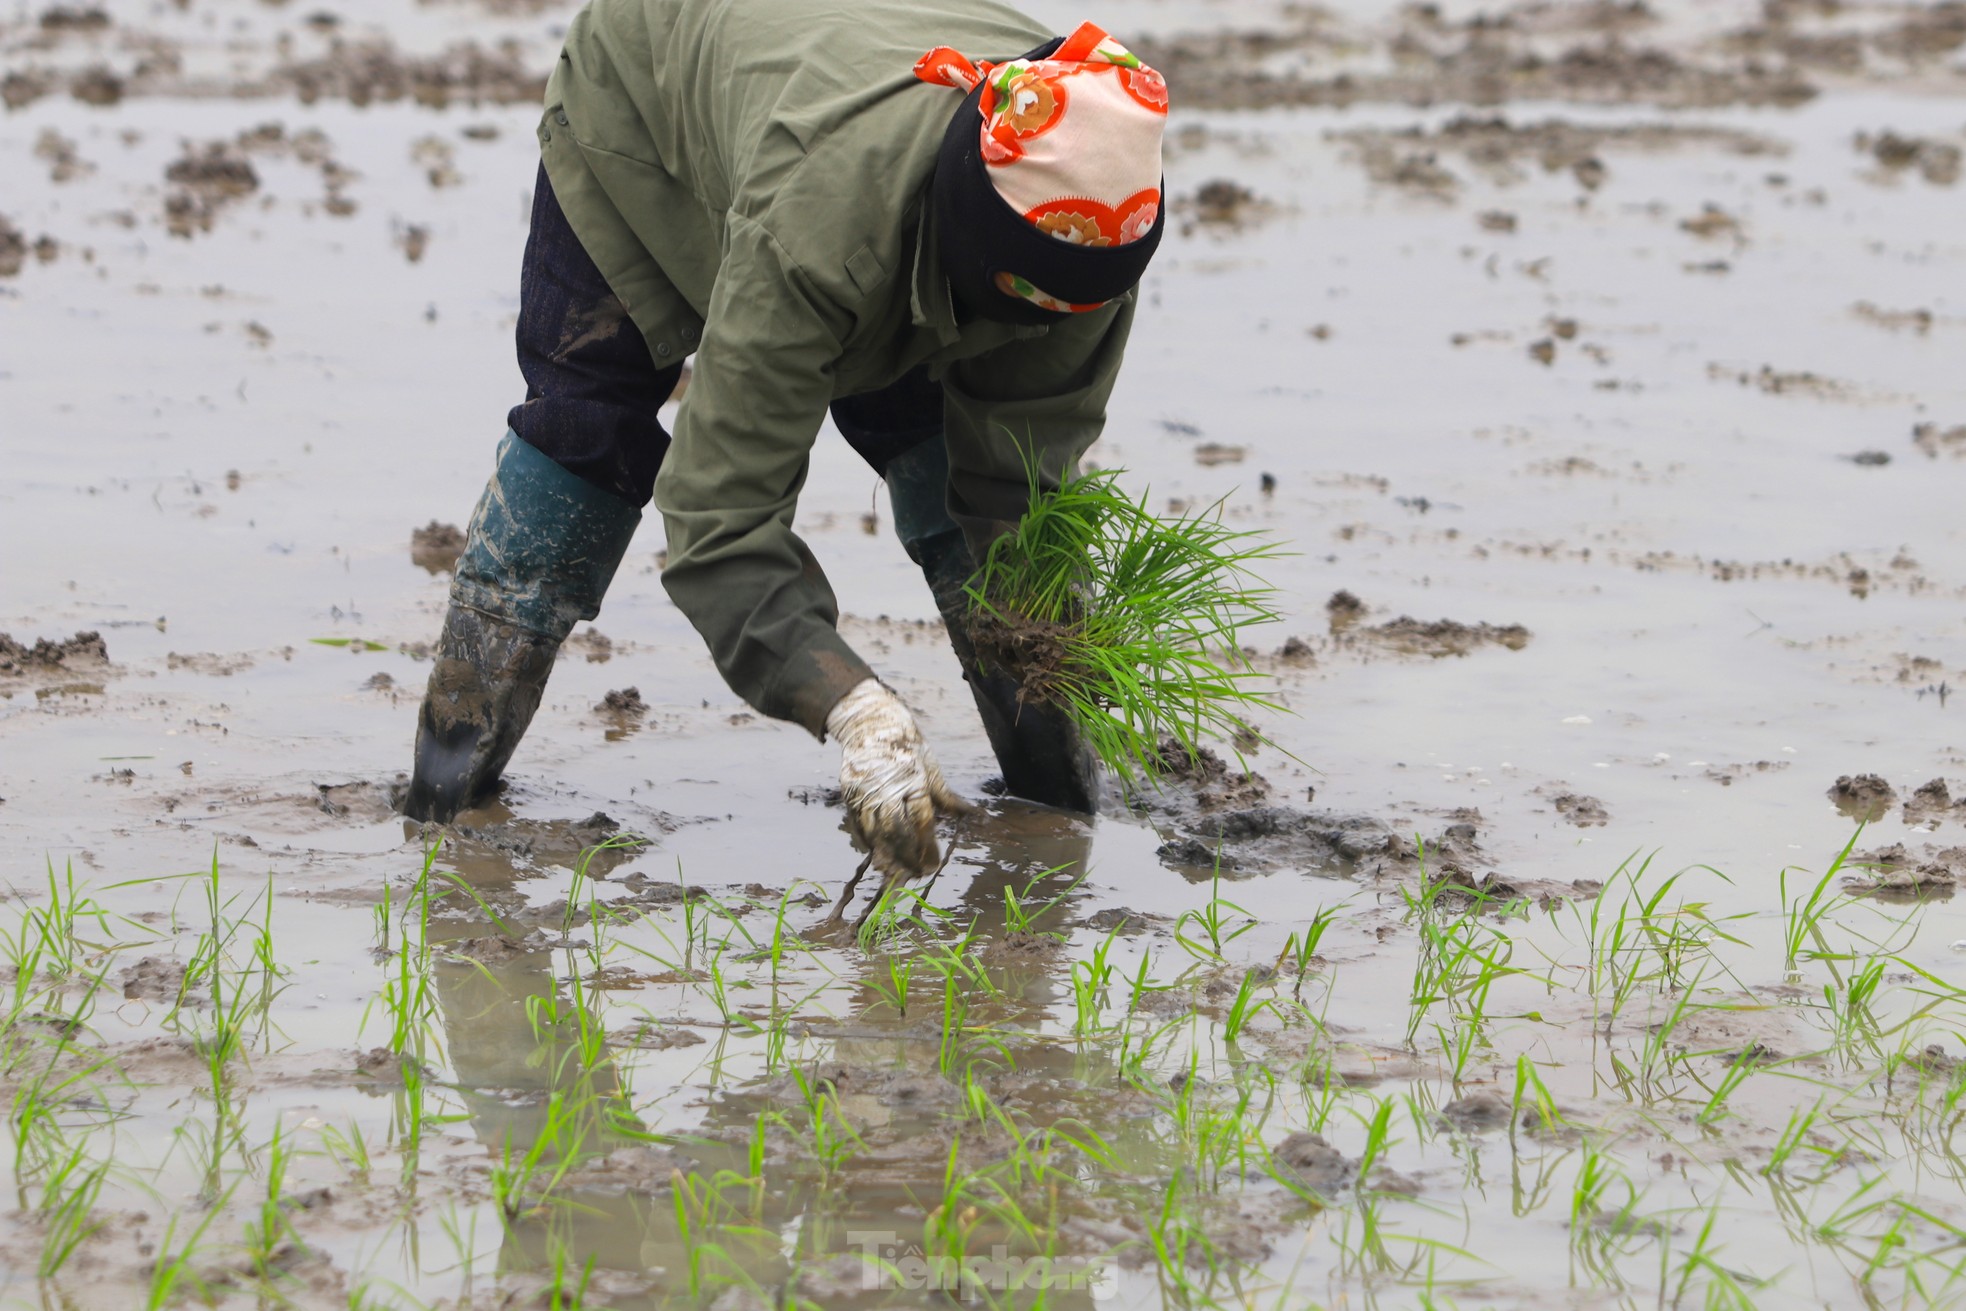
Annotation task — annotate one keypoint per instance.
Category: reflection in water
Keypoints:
(840, 1160)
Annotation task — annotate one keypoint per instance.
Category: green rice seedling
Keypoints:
(1806, 912)
(696, 1204)
(1183, 1251)
(1738, 1071)
(1458, 1043)
(955, 1010)
(1658, 1056)
(57, 925)
(1089, 985)
(527, 1182)
(898, 911)
(270, 1227)
(174, 1266)
(1213, 921)
(564, 1293)
(1458, 961)
(348, 1149)
(1243, 1009)
(1530, 1089)
(1021, 913)
(581, 880)
(1115, 617)
(894, 983)
(1301, 947)
(828, 1136)
(1794, 1137)
(1378, 1135)
(1852, 1017)
(1724, 1288)
(67, 1208)
(40, 1144)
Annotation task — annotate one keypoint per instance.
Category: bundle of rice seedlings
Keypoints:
(1125, 622)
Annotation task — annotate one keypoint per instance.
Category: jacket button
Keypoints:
(662, 349)
(544, 135)
(689, 334)
(561, 118)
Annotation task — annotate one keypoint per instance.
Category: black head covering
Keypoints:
(980, 235)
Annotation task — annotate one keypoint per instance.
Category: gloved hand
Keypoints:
(892, 787)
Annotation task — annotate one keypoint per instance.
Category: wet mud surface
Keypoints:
(1598, 364)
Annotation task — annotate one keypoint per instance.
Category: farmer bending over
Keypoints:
(941, 247)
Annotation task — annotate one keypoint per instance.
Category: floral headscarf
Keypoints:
(1071, 141)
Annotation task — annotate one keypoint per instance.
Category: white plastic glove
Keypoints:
(891, 785)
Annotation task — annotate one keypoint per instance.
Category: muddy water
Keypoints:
(1662, 373)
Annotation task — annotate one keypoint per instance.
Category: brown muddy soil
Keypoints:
(49, 655)
(435, 547)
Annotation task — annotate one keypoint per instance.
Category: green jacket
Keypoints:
(750, 177)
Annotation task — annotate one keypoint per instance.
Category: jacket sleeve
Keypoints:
(1042, 396)
(730, 482)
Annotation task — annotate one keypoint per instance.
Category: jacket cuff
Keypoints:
(812, 682)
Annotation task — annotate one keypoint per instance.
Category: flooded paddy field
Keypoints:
(1587, 939)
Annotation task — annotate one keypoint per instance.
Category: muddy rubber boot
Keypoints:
(1042, 756)
(542, 548)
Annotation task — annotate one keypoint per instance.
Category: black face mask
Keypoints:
(980, 236)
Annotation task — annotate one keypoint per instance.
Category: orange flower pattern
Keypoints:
(1077, 229)
(1086, 222)
(1047, 178)
(1030, 103)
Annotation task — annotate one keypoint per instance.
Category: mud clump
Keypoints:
(60, 154)
(369, 72)
(436, 546)
(1893, 873)
(1584, 812)
(1938, 162)
(596, 645)
(1031, 651)
(1504, 151)
(1863, 797)
(96, 86)
(1343, 610)
(623, 702)
(202, 183)
(1206, 778)
(13, 249)
(1476, 1112)
(1221, 203)
(1316, 1164)
(62, 19)
(1441, 637)
(154, 978)
(1927, 437)
(1484, 60)
(1932, 803)
(46, 656)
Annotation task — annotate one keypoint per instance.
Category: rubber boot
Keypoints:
(542, 548)
(1041, 754)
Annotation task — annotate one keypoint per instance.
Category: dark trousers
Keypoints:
(592, 388)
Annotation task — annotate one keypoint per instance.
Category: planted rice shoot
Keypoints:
(1120, 620)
